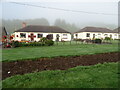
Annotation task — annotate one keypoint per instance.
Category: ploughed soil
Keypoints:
(57, 63)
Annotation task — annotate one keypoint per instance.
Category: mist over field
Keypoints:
(12, 25)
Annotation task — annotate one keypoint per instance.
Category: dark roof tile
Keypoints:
(95, 29)
(45, 29)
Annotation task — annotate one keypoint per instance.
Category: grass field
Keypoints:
(97, 76)
(22, 53)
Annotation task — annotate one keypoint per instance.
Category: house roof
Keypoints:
(117, 30)
(4, 32)
(46, 29)
(95, 29)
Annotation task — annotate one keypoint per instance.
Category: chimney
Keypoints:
(24, 24)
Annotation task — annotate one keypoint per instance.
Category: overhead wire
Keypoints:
(62, 9)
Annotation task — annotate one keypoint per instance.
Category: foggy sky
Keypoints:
(15, 11)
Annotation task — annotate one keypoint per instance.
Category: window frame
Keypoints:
(23, 35)
(41, 35)
(87, 34)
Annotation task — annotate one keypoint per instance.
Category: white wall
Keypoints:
(61, 36)
(82, 35)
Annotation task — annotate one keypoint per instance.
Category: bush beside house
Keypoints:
(98, 41)
(42, 42)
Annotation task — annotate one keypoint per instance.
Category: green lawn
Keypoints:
(97, 76)
(22, 53)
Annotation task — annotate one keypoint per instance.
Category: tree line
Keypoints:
(12, 25)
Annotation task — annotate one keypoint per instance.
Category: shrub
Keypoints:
(97, 41)
(30, 44)
(21, 44)
(49, 42)
(15, 44)
(107, 38)
(77, 39)
(45, 41)
(42, 42)
(116, 39)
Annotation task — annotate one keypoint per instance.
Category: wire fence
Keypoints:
(70, 43)
(79, 42)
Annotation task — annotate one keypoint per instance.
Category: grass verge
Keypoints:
(97, 76)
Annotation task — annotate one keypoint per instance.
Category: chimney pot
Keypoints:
(24, 24)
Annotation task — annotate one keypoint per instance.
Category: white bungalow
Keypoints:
(116, 33)
(36, 32)
(95, 32)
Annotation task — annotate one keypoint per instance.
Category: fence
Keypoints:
(69, 43)
(79, 42)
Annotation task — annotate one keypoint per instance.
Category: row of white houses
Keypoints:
(36, 32)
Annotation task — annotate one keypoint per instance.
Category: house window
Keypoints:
(93, 35)
(40, 35)
(49, 36)
(88, 35)
(105, 35)
(23, 35)
(57, 37)
(110, 36)
(76, 35)
(64, 34)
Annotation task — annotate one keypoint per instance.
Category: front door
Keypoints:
(57, 37)
(93, 36)
(110, 36)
